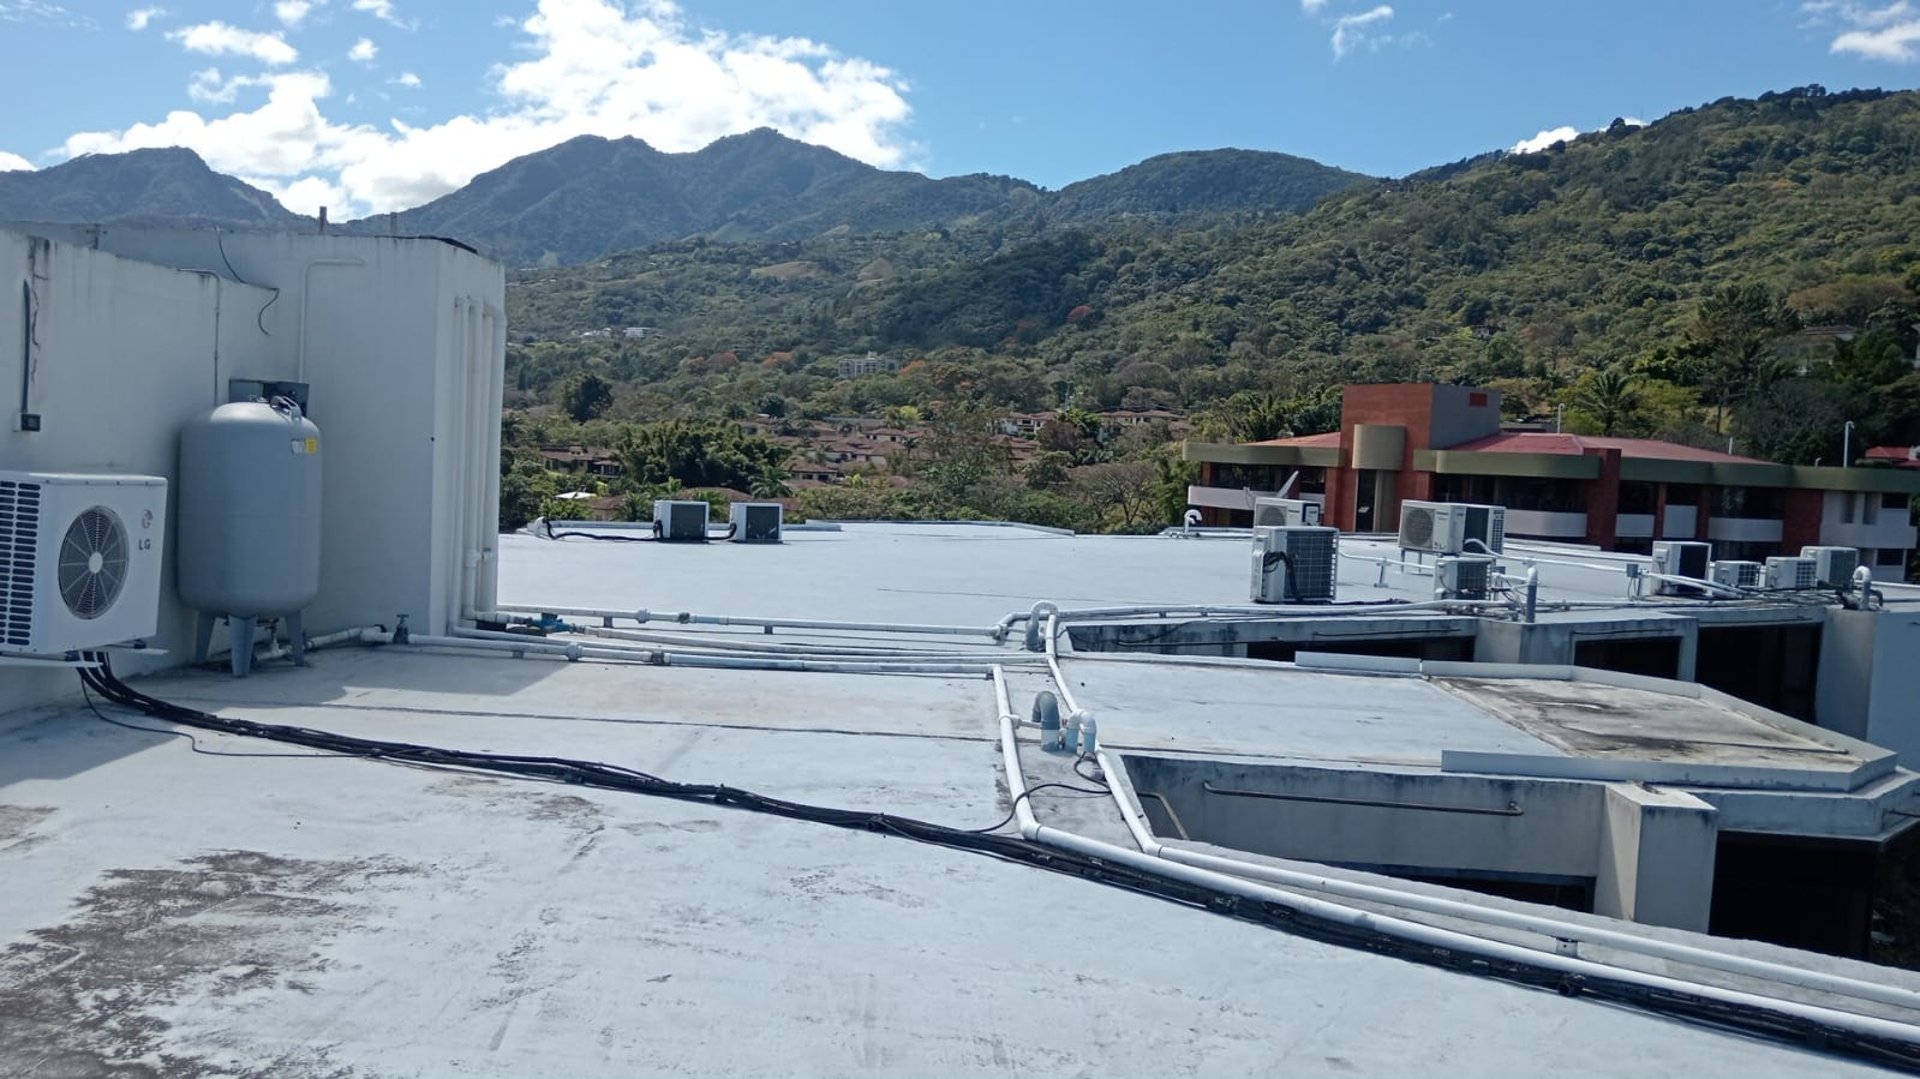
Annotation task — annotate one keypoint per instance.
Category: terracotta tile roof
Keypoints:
(1331, 438)
(1573, 445)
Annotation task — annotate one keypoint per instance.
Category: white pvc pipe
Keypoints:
(716, 642)
(1548, 927)
(643, 616)
(495, 360)
(663, 658)
(1416, 932)
(459, 415)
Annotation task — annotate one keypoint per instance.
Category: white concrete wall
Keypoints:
(126, 352)
(1656, 858)
(1869, 680)
(402, 341)
(1745, 529)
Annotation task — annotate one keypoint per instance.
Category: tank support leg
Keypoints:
(242, 629)
(297, 639)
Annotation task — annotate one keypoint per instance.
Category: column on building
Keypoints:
(1603, 500)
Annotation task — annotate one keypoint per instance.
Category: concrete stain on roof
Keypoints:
(1594, 720)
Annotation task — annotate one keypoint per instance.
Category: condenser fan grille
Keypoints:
(1416, 527)
(93, 562)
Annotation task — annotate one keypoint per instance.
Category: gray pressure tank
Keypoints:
(249, 510)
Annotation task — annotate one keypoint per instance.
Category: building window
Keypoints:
(1869, 509)
(1639, 497)
(1846, 507)
(1749, 551)
(1750, 503)
(1892, 556)
(1893, 501)
(1683, 494)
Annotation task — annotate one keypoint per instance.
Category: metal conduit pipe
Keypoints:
(643, 616)
(1367, 921)
(1548, 927)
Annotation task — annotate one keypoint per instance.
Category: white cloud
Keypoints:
(599, 67)
(220, 39)
(1889, 32)
(363, 51)
(141, 18)
(1545, 139)
(292, 13)
(1352, 31)
(379, 9)
(1312, 7)
(13, 162)
(409, 80)
(1894, 42)
(42, 11)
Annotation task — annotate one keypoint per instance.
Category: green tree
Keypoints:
(585, 396)
(1606, 399)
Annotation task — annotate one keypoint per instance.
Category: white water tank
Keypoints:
(249, 510)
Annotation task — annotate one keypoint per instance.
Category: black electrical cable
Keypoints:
(648, 538)
(1676, 1003)
(1104, 787)
(192, 742)
(1028, 793)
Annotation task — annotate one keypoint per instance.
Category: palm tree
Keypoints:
(1608, 395)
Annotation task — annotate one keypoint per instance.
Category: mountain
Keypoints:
(590, 196)
(1201, 182)
(147, 187)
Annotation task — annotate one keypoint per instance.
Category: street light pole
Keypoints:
(1846, 445)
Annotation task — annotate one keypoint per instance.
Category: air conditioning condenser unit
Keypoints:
(1735, 574)
(756, 522)
(1792, 574)
(1681, 558)
(680, 521)
(1463, 578)
(1280, 512)
(1295, 564)
(80, 560)
(1833, 566)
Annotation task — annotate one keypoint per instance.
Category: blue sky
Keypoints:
(370, 105)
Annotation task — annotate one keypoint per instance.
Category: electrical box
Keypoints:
(756, 522)
(680, 521)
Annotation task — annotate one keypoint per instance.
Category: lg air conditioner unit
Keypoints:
(1463, 578)
(756, 522)
(680, 522)
(1680, 558)
(1436, 527)
(1792, 574)
(80, 560)
(1833, 566)
(1738, 574)
(1295, 564)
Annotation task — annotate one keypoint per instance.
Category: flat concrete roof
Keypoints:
(174, 912)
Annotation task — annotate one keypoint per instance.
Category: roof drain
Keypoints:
(1416, 932)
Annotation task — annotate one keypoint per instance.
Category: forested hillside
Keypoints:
(1649, 279)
